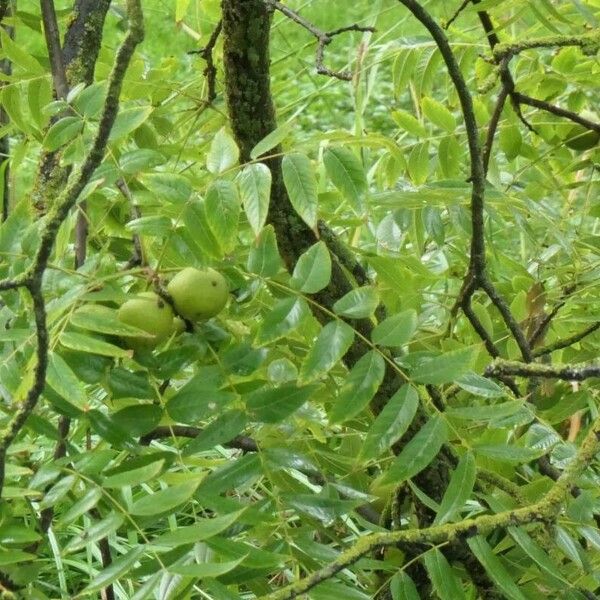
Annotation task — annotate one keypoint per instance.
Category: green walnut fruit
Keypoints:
(581, 138)
(198, 295)
(150, 313)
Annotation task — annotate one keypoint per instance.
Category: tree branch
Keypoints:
(566, 372)
(565, 343)
(66, 200)
(323, 38)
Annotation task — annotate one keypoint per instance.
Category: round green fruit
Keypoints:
(581, 138)
(150, 313)
(198, 295)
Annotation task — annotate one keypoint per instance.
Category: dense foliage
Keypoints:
(400, 399)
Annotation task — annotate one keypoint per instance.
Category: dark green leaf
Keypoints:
(418, 452)
(272, 405)
(359, 388)
(391, 423)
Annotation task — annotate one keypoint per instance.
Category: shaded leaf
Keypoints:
(331, 344)
(359, 387)
(418, 452)
(391, 423)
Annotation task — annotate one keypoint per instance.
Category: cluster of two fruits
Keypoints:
(197, 296)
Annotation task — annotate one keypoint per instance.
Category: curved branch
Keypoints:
(544, 511)
(32, 279)
(565, 343)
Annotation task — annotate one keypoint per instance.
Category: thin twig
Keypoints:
(566, 342)
(55, 54)
(457, 13)
(493, 126)
(324, 38)
(556, 110)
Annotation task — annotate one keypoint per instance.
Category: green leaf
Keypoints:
(255, 191)
(93, 533)
(408, 122)
(134, 476)
(139, 418)
(403, 69)
(391, 423)
(129, 384)
(313, 270)
(438, 114)
(20, 57)
(222, 430)
(64, 382)
(109, 429)
(222, 206)
(169, 187)
(281, 320)
(301, 186)
(202, 529)
(510, 141)
(320, 507)
(395, 330)
(116, 569)
(480, 386)
(418, 163)
(263, 258)
(331, 344)
(402, 587)
(234, 474)
(62, 132)
(139, 160)
(150, 226)
(197, 399)
(14, 556)
(511, 454)
(494, 568)
(418, 452)
(444, 580)
(203, 570)
(347, 174)
(359, 387)
(458, 491)
(273, 405)
(486, 413)
(164, 500)
(128, 120)
(83, 505)
(271, 140)
(537, 554)
(85, 343)
(358, 303)
(445, 368)
(223, 153)
(101, 319)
